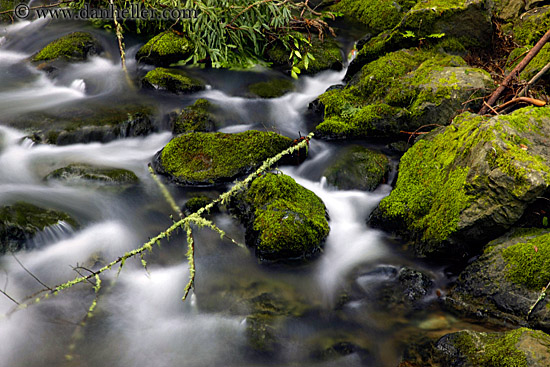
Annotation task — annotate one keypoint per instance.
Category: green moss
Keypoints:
(6, 5)
(378, 15)
(207, 157)
(327, 55)
(271, 89)
(290, 219)
(498, 349)
(165, 48)
(173, 80)
(531, 27)
(197, 117)
(74, 46)
(92, 173)
(196, 202)
(534, 66)
(529, 262)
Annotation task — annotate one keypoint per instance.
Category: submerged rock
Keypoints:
(76, 46)
(165, 49)
(358, 168)
(79, 172)
(271, 89)
(172, 80)
(198, 117)
(506, 281)
(284, 221)
(466, 184)
(209, 159)
(401, 91)
(19, 222)
(521, 347)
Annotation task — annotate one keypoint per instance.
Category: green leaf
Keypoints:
(545, 221)
(298, 54)
(293, 74)
(296, 69)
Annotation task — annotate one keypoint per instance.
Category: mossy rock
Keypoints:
(172, 80)
(76, 46)
(195, 203)
(536, 65)
(164, 49)
(195, 118)
(377, 15)
(21, 221)
(531, 26)
(520, 347)
(284, 220)
(510, 10)
(427, 21)
(466, 184)
(358, 168)
(271, 89)
(79, 172)
(209, 159)
(507, 280)
(401, 91)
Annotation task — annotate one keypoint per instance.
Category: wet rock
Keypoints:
(402, 91)
(520, 347)
(198, 117)
(164, 49)
(210, 159)
(337, 344)
(271, 89)
(19, 222)
(358, 168)
(172, 80)
(284, 221)
(503, 284)
(76, 46)
(468, 183)
(79, 172)
(195, 203)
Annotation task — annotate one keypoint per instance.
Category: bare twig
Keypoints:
(514, 73)
(491, 108)
(533, 101)
(9, 297)
(28, 272)
(534, 79)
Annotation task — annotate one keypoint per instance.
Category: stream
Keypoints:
(140, 319)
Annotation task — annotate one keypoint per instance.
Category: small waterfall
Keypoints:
(52, 234)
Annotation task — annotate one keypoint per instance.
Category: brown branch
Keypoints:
(530, 55)
(533, 101)
(491, 108)
(534, 79)
(39, 7)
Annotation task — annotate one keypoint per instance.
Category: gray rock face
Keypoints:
(468, 183)
(506, 281)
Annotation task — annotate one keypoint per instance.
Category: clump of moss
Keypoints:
(378, 15)
(165, 49)
(206, 159)
(290, 220)
(20, 221)
(271, 89)
(529, 262)
(358, 168)
(172, 80)
(197, 117)
(75, 46)
(532, 26)
(5, 6)
(92, 173)
(195, 203)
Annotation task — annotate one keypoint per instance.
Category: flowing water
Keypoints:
(140, 319)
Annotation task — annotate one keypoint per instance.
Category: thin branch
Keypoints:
(39, 6)
(28, 272)
(534, 79)
(9, 297)
(491, 108)
(533, 101)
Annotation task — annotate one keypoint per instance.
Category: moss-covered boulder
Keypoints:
(80, 172)
(465, 21)
(19, 222)
(521, 347)
(209, 159)
(271, 89)
(327, 54)
(284, 220)
(76, 46)
(403, 90)
(505, 282)
(164, 49)
(172, 80)
(468, 183)
(197, 117)
(358, 168)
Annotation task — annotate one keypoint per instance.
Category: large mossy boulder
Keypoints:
(209, 159)
(466, 184)
(80, 172)
(165, 49)
(271, 89)
(506, 281)
(519, 348)
(172, 80)
(199, 117)
(19, 222)
(403, 90)
(465, 21)
(358, 168)
(284, 221)
(76, 46)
